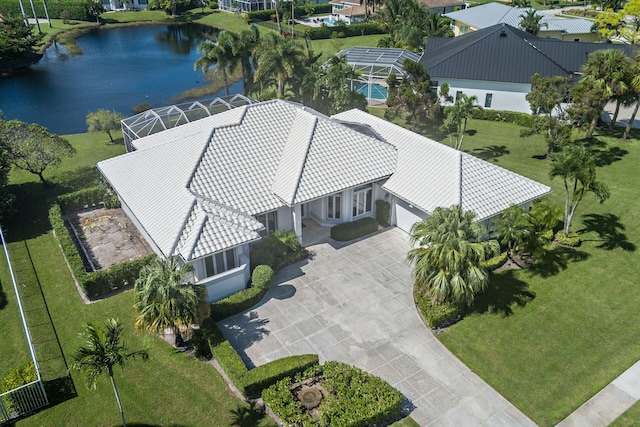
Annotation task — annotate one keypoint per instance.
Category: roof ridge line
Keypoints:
(536, 48)
(463, 48)
(184, 224)
(306, 155)
(199, 229)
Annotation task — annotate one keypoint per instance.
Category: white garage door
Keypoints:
(406, 216)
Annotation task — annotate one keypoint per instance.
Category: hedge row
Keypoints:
(437, 315)
(88, 197)
(252, 382)
(76, 10)
(520, 119)
(495, 262)
(326, 32)
(265, 15)
(96, 283)
(573, 239)
(352, 230)
(261, 279)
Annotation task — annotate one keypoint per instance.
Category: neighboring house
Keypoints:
(349, 11)
(496, 63)
(206, 190)
(487, 15)
(246, 5)
(125, 5)
(443, 6)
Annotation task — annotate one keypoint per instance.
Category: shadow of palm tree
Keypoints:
(246, 417)
(556, 259)
(503, 292)
(609, 230)
(242, 331)
(604, 155)
(60, 390)
(490, 153)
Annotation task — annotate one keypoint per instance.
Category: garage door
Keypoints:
(406, 215)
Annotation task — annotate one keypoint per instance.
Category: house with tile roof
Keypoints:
(206, 190)
(489, 14)
(496, 63)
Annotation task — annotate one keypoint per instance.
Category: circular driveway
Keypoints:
(353, 303)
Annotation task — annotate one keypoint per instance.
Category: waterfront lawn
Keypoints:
(169, 389)
(550, 339)
(127, 16)
(223, 20)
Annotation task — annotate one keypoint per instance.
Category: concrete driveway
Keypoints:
(353, 303)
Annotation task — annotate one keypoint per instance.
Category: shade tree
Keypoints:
(104, 121)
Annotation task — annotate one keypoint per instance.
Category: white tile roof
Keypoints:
(431, 175)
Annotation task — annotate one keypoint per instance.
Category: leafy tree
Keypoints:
(218, 53)
(587, 102)
(530, 21)
(611, 4)
(278, 59)
(334, 94)
(456, 117)
(413, 95)
(520, 3)
(631, 31)
(634, 86)
(33, 148)
(104, 121)
(576, 166)
(164, 299)
(18, 44)
(94, 9)
(438, 26)
(6, 198)
(547, 99)
(170, 7)
(448, 256)
(406, 22)
(609, 23)
(101, 351)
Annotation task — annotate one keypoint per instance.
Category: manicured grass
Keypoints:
(134, 16)
(629, 418)
(329, 47)
(224, 20)
(169, 389)
(549, 338)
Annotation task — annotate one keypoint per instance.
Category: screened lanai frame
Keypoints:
(162, 118)
(374, 65)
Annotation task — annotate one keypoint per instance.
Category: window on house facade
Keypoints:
(464, 29)
(333, 206)
(458, 94)
(487, 100)
(220, 262)
(270, 220)
(143, 1)
(361, 202)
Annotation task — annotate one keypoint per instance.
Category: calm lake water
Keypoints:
(119, 68)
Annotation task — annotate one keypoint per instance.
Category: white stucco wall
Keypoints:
(506, 96)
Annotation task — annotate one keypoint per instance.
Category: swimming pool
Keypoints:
(378, 92)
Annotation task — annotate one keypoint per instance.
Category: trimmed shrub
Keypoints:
(437, 315)
(200, 344)
(261, 377)
(278, 249)
(265, 15)
(573, 239)
(382, 211)
(520, 119)
(213, 5)
(224, 353)
(262, 277)
(326, 32)
(353, 230)
(495, 262)
(236, 303)
(16, 377)
(285, 405)
(88, 197)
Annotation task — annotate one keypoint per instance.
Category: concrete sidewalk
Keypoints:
(611, 402)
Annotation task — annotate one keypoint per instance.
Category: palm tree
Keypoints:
(635, 87)
(220, 54)
(606, 70)
(243, 48)
(101, 351)
(437, 26)
(576, 165)
(457, 115)
(530, 21)
(447, 259)
(512, 228)
(278, 59)
(164, 299)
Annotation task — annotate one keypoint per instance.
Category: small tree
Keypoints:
(577, 168)
(512, 228)
(32, 147)
(530, 21)
(101, 351)
(457, 116)
(104, 121)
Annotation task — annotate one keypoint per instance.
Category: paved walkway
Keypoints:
(611, 402)
(353, 303)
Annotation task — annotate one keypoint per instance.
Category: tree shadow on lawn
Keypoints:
(556, 259)
(3, 298)
(490, 153)
(609, 230)
(503, 292)
(604, 155)
(246, 417)
(60, 390)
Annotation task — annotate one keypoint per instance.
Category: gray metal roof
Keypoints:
(489, 14)
(505, 54)
(377, 62)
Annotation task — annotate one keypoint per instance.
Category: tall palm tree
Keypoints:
(438, 26)
(101, 351)
(457, 116)
(164, 299)
(243, 47)
(530, 21)
(635, 87)
(607, 71)
(576, 166)
(278, 59)
(219, 53)
(447, 258)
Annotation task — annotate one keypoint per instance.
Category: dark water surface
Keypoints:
(119, 68)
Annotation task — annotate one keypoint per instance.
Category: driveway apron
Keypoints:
(353, 303)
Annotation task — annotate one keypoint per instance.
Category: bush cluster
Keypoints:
(352, 230)
(520, 119)
(96, 283)
(252, 382)
(17, 377)
(265, 15)
(76, 10)
(581, 12)
(495, 262)
(261, 280)
(573, 239)
(356, 399)
(326, 32)
(437, 315)
(88, 197)
(382, 211)
(278, 249)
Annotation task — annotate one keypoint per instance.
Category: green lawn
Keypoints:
(629, 418)
(329, 47)
(169, 389)
(548, 339)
